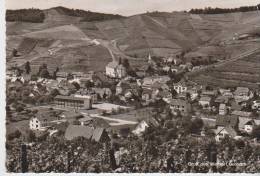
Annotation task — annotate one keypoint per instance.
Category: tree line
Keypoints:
(87, 15)
(27, 15)
(210, 10)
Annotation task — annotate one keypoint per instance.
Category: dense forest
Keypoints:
(209, 10)
(87, 15)
(26, 15)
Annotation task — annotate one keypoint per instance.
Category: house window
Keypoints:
(36, 121)
(36, 126)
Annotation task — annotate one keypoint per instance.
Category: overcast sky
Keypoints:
(128, 7)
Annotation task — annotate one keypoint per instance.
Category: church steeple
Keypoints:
(149, 58)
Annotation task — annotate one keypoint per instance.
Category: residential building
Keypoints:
(144, 124)
(247, 124)
(97, 134)
(180, 105)
(256, 105)
(147, 94)
(242, 94)
(222, 100)
(180, 87)
(222, 109)
(223, 132)
(223, 121)
(205, 101)
(210, 93)
(42, 122)
(73, 102)
(149, 81)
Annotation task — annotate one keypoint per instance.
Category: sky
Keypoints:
(128, 7)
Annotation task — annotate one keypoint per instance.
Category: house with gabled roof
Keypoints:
(97, 134)
(205, 101)
(247, 124)
(222, 132)
(144, 124)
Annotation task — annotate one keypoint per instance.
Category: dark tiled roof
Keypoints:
(179, 102)
(226, 121)
(74, 131)
(97, 134)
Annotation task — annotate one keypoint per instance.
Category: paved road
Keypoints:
(116, 122)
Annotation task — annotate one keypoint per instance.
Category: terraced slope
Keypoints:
(69, 41)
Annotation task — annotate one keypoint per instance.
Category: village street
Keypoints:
(116, 122)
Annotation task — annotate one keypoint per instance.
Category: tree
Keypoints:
(43, 71)
(124, 132)
(89, 84)
(256, 132)
(77, 86)
(30, 136)
(54, 76)
(126, 63)
(27, 67)
(14, 135)
(150, 70)
(197, 124)
(15, 53)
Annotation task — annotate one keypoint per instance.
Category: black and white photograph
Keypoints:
(132, 86)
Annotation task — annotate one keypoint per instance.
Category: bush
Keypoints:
(14, 135)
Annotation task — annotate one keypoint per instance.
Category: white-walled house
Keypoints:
(42, 122)
(140, 128)
(205, 101)
(249, 126)
(180, 87)
(222, 132)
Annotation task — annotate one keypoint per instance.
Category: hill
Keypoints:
(65, 35)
